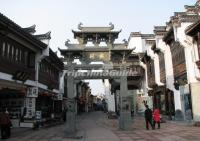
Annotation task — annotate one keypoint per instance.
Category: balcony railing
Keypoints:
(48, 80)
(16, 68)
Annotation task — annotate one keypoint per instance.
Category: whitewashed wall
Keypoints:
(189, 52)
(136, 42)
(110, 99)
(169, 71)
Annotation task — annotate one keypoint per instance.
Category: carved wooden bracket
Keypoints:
(198, 64)
(21, 76)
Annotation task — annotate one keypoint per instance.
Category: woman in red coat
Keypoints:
(156, 117)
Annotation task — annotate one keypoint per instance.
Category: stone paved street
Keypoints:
(168, 132)
(96, 127)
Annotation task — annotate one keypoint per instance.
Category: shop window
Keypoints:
(12, 53)
(31, 60)
(48, 70)
(1, 46)
(3, 49)
(25, 58)
(151, 68)
(44, 68)
(20, 55)
(8, 51)
(16, 54)
(55, 75)
(41, 67)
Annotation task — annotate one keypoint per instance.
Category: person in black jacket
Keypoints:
(148, 117)
(5, 124)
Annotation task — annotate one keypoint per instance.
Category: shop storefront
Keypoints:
(170, 107)
(44, 103)
(164, 100)
(186, 102)
(13, 101)
(49, 105)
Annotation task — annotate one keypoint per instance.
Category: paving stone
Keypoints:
(96, 127)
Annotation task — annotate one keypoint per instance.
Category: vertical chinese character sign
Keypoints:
(32, 93)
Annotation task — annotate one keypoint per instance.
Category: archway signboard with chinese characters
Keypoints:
(119, 64)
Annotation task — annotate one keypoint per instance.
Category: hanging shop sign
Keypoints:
(32, 92)
(58, 97)
(38, 115)
(30, 107)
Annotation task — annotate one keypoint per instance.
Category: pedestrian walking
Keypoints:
(148, 117)
(156, 117)
(64, 116)
(104, 104)
(5, 124)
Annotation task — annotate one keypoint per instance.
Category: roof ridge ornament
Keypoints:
(125, 42)
(80, 26)
(67, 42)
(44, 36)
(30, 29)
(111, 26)
(32, 26)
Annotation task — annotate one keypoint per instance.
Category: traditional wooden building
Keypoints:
(156, 75)
(166, 71)
(176, 71)
(18, 50)
(28, 69)
(193, 33)
(142, 44)
(83, 94)
(49, 97)
(182, 59)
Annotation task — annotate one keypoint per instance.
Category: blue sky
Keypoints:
(61, 16)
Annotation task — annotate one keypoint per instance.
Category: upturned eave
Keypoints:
(193, 29)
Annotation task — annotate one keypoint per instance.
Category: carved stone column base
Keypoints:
(125, 121)
(70, 123)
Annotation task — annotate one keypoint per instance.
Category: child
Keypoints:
(156, 117)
